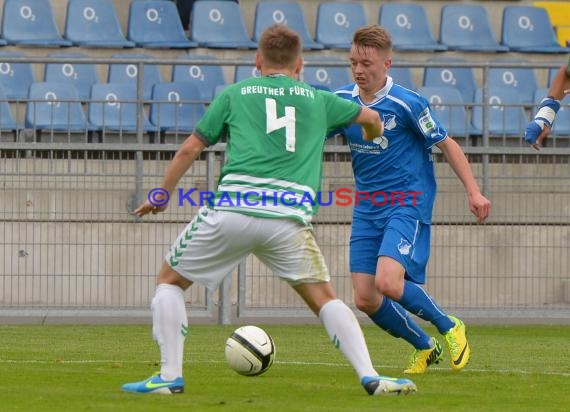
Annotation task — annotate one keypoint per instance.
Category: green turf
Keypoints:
(81, 368)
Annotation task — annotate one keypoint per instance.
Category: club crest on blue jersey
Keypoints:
(404, 247)
(389, 121)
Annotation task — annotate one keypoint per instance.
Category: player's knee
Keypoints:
(365, 304)
(388, 287)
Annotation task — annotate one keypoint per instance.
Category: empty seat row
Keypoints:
(112, 107)
(220, 24)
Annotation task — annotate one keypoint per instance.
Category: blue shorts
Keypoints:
(402, 238)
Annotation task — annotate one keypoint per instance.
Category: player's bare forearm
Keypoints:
(183, 159)
(560, 84)
(371, 124)
(479, 205)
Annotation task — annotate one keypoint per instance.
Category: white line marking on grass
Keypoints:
(331, 364)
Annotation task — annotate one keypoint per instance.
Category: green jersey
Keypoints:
(276, 129)
(568, 66)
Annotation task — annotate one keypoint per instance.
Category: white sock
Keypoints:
(169, 328)
(344, 330)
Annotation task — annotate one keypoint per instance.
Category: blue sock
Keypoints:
(394, 319)
(416, 300)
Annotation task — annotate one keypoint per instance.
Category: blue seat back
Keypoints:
(288, 13)
(522, 80)
(331, 77)
(529, 29)
(337, 21)
(174, 106)
(7, 121)
(15, 78)
(81, 75)
(128, 72)
(54, 105)
(30, 22)
(467, 27)
(409, 26)
(113, 106)
(156, 24)
(94, 23)
(219, 24)
(462, 78)
(448, 106)
(506, 115)
(403, 77)
(205, 76)
(242, 72)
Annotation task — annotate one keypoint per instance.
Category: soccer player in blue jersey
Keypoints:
(539, 127)
(395, 181)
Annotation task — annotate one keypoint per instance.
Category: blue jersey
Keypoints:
(395, 172)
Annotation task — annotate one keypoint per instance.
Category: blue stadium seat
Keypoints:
(528, 29)
(205, 76)
(55, 106)
(521, 79)
(336, 23)
(462, 78)
(174, 108)
(409, 25)
(561, 125)
(128, 72)
(287, 13)
(403, 76)
(15, 78)
(466, 27)
(331, 77)
(81, 75)
(31, 23)
(156, 25)
(243, 72)
(7, 122)
(94, 23)
(113, 107)
(449, 107)
(506, 116)
(219, 25)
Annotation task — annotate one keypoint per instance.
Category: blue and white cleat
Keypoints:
(382, 385)
(155, 384)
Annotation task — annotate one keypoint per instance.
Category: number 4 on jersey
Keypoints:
(276, 123)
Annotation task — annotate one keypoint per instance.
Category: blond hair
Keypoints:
(373, 36)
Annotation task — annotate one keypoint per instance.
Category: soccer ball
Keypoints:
(250, 350)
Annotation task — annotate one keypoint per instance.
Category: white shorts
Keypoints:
(213, 244)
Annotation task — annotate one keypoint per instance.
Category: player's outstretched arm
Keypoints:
(479, 205)
(540, 126)
(371, 124)
(183, 159)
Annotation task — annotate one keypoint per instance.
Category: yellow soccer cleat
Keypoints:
(458, 345)
(421, 359)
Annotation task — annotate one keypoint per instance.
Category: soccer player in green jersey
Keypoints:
(277, 128)
(539, 128)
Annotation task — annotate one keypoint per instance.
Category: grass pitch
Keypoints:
(81, 368)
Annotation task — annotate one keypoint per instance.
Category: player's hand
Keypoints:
(480, 206)
(539, 128)
(147, 207)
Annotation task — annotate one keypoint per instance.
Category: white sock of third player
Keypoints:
(169, 328)
(344, 330)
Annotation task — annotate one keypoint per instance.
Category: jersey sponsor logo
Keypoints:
(382, 142)
(427, 124)
(389, 121)
(404, 247)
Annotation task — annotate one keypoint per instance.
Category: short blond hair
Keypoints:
(280, 46)
(373, 36)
